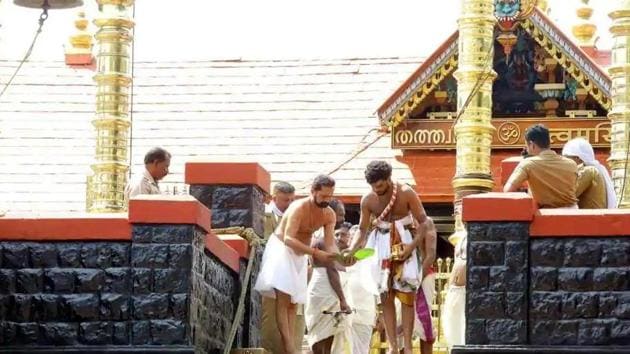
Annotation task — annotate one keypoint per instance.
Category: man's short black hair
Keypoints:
(539, 135)
(157, 154)
(336, 204)
(283, 187)
(322, 181)
(377, 170)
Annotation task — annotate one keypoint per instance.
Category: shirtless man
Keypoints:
(283, 274)
(395, 265)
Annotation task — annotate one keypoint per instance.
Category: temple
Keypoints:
(79, 267)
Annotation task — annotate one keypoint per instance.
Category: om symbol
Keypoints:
(508, 133)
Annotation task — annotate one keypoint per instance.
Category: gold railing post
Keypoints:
(619, 113)
(113, 79)
(474, 130)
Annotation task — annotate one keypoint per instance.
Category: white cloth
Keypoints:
(359, 298)
(284, 270)
(361, 338)
(377, 277)
(581, 148)
(273, 208)
(454, 316)
(322, 297)
(426, 330)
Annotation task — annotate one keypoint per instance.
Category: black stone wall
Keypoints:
(545, 294)
(580, 291)
(233, 205)
(496, 296)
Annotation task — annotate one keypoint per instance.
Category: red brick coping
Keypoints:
(227, 173)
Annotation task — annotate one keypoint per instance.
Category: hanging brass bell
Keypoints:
(52, 4)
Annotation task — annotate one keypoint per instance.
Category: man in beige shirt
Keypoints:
(283, 194)
(156, 164)
(551, 177)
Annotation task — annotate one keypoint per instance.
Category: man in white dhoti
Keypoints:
(363, 304)
(454, 309)
(394, 271)
(283, 273)
(327, 312)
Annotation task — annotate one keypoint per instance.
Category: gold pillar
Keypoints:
(106, 186)
(474, 130)
(619, 113)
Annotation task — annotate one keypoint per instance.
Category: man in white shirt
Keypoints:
(156, 164)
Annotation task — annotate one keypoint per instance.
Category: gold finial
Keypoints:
(81, 41)
(543, 6)
(584, 31)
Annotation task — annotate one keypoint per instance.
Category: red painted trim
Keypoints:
(65, 227)
(222, 251)
(80, 60)
(227, 173)
(425, 64)
(498, 207)
(580, 222)
(237, 243)
(169, 209)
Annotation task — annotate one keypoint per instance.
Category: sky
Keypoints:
(250, 29)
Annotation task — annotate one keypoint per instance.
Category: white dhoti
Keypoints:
(364, 305)
(322, 297)
(454, 315)
(284, 270)
(376, 267)
(423, 324)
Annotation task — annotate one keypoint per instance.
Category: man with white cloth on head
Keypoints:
(283, 274)
(594, 187)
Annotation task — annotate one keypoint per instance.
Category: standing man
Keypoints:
(283, 274)
(551, 177)
(283, 194)
(394, 269)
(156, 164)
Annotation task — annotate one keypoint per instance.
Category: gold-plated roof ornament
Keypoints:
(50, 4)
(509, 13)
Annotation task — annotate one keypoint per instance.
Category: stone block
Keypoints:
(142, 279)
(171, 280)
(486, 305)
(173, 234)
(120, 254)
(27, 333)
(24, 306)
(96, 333)
(477, 231)
(168, 332)
(150, 307)
(59, 333)
(232, 197)
(114, 306)
(611, 279)
(59, 280)
(553, 332)
(82, 307)
(7, 281)
(486, 253)
(579, 305)
(582, 252)
(203, 193)
(546, 252)
(508, 231)
(43, 255)
(477, 278)
(615, 252)
(179, 306)
(15, 255)
(117, 280)
(607, 305)
(506, 331)
(218, 276)
(96, 255)
(51, 308)
(149, 255)
(516, 256)
(142, 233)
(180, 256)
(29, 281)
(543, 278)
(89, 280)
(9, 333)
(121, 333)
(140, 333)
(622, 311)
(620, 333)
(545, 305)
(575, 279)
(69, 254)
(516, 305)
(476, 331)
(502, 279)
(594, 332)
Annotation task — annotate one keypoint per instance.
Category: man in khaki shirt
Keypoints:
(156, 164)
(551, 177)
(283, 194)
